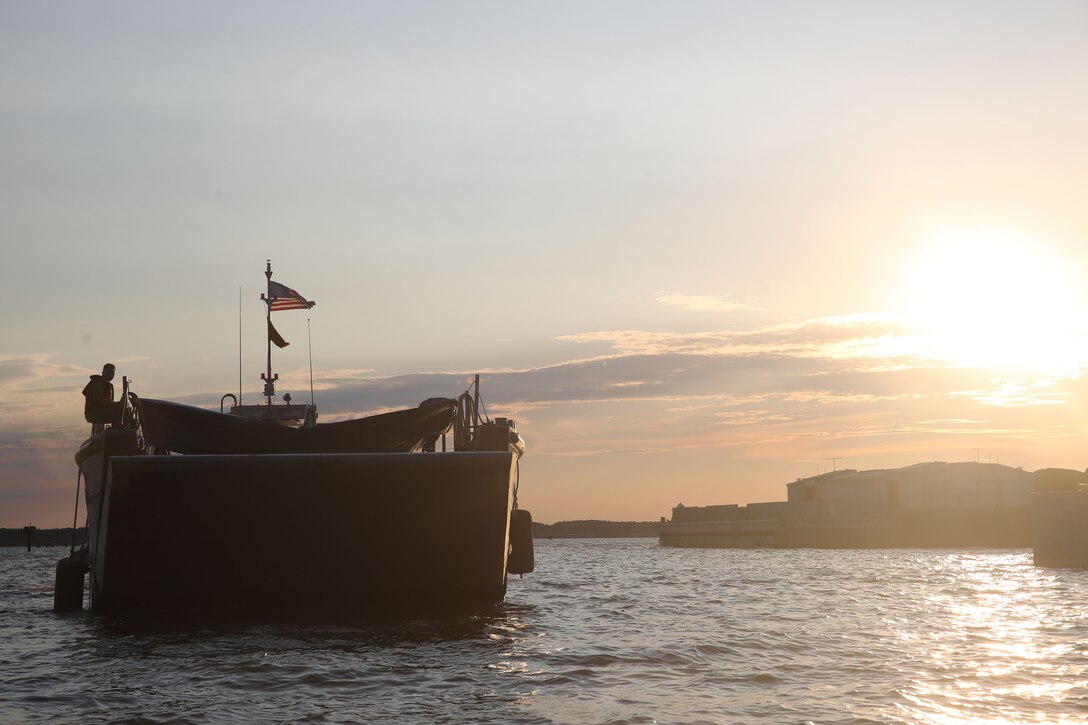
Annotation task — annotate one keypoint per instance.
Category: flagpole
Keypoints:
(310, 347)
(282, 298)
(269, 388)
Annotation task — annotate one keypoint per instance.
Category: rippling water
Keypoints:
(606, 631)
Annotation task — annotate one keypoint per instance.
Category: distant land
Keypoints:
(43, 537)
(593, 529)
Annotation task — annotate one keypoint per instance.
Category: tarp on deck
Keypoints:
(185, 429)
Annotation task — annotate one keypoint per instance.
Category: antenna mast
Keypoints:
(239, 344)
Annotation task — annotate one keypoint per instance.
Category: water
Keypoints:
(606, 631)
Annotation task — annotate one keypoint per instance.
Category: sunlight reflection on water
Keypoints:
(1000, 636)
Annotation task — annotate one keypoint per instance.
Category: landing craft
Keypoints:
(262, 508)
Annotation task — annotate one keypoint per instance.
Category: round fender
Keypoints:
(68, 591)
(520, 560)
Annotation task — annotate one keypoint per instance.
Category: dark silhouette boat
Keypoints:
(264, 509)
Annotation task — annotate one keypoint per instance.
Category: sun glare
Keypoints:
(993, 298)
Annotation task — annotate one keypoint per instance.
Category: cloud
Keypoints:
(701, 303)
(23, 373)
(852, 385)
(854, 360)
(880, 340)
(1014, 395)
(36, 390)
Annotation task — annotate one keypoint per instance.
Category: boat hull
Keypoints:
(93, 459)
(300, 532)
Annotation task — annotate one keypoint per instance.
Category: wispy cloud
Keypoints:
(882, 339)
(1015, 395)
(24, 373)
(701, 303)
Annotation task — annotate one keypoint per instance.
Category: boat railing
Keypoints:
(126, 415)
(464, 422)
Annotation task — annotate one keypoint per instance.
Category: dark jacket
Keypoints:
(99, 406)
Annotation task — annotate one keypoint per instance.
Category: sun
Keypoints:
(996, 299)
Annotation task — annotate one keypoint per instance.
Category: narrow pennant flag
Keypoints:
(282, 297)
(275, 336)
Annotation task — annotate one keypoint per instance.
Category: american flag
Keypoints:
(282, 297)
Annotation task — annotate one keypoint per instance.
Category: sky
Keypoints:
(696, 250)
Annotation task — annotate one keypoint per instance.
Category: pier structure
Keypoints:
(1060, 518)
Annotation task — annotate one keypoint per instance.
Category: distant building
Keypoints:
(918, 489)
(924, 505)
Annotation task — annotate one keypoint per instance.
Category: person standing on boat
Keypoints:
(99, 407)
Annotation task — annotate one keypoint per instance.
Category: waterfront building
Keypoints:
(925, 505)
